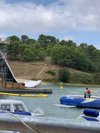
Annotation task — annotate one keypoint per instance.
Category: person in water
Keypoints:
(87, 93)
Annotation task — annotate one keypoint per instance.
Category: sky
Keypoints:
(76, 20)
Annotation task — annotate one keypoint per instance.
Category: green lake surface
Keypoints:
(48, 104)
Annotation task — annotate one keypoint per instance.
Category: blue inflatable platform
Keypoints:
(90, 115)
(80, 102)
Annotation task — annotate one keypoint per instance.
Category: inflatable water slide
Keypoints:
(7, 75)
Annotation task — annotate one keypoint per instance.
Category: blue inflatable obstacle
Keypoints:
(91, 115)
(80, 102)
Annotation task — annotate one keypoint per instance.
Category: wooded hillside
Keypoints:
(45, 57)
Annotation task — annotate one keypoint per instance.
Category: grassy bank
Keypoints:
(72, 84)
(49, 73)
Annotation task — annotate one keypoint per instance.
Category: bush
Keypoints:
(63, 75)
(97, 78)
(51, 72)
(81, 78)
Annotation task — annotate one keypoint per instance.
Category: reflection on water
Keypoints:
(48, 104)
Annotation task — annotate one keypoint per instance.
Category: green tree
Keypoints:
(41, 54)
(45, 41)
(62, 55)
(14, 38)
(31, 41)
(24, 38)
(13, 50)
(27, 55)
(69, 43)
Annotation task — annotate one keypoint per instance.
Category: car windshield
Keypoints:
(5, 107)
(18, 108)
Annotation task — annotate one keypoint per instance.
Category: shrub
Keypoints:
(64, 75)
(51, 72)
(97, 78)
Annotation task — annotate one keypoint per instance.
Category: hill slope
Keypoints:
(32, 70)
(38, 70)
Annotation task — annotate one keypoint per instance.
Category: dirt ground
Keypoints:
(32, 70)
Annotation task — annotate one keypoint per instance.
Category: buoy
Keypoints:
(91, 112)
(61, 86)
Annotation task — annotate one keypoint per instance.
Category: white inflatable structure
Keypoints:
(31, 83)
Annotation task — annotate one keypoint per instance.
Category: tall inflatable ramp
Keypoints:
(7, 78)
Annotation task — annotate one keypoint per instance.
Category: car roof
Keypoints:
(5, 101)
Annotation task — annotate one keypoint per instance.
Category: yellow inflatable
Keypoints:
(24, 95)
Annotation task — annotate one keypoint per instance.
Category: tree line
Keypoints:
(63, 53)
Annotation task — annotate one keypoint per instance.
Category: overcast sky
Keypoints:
(78, 20)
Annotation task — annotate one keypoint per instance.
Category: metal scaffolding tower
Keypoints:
(6, 74)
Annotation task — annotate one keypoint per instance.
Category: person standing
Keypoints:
(87, 93)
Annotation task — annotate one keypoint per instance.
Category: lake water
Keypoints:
(48, 104)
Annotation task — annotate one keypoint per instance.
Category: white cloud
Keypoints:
(68, 37)
(60, 16)
(3, 36)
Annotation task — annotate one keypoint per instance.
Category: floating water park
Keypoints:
(80, 101)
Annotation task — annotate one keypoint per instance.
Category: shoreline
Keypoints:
(72, 84)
